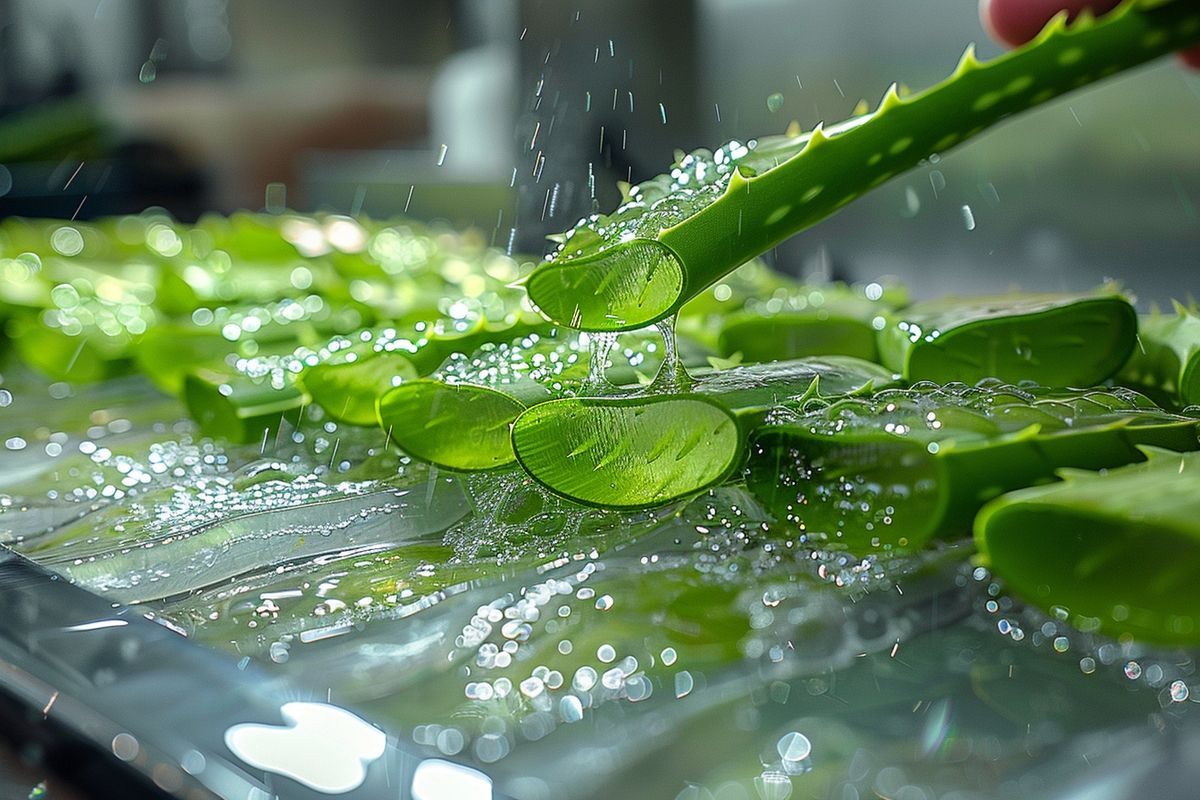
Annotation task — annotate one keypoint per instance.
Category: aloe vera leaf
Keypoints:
(1167, 357)
(1119, 551)
(1050, 339)
(835, 320)
(906, 465)
(754, 314)
(679, 233)
(461, 419)
(644, 450)
(457, 426)
(233, 406)
(348, 385)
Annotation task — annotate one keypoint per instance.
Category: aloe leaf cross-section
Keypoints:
(639, 451)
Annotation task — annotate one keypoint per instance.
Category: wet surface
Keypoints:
(697, 651)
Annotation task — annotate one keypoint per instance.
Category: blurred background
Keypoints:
(519, 116)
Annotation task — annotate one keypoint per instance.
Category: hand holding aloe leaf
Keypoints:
(676, 234)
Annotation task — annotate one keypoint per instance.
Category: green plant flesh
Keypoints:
(238, 408)
(905, 465)
(840, 325)
(458, 426)
(1051, 339)
(639, 451)
(1167, 357)
(1116, 551)
(349, 387)
(678, 233)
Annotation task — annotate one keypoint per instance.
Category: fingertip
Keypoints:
(1015, 22)
(1190, 58)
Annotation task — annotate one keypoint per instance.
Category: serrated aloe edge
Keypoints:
(679, 233)
(905, 465)
(1117, 552)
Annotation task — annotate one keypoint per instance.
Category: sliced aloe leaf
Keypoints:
(461, 418)
(1049, 339)
(644, 450)
(349, 384)
(905, 465)
(1167, 357)
(229, 405)
(678, 233)
(1117, 551)
(84, 356)
(754, 314)
(457, 426)
(830, 320)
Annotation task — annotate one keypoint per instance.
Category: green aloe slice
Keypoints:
(644, 450)
(1116, 551)
(459, 426)
(460, 418)
(1049, 339)
(906, 465)
(835, 320)
(349, 384)
(678, 233)
(233, 406)
(1168, 355)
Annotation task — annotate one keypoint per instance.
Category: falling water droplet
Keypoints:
(774, 102)
(968, 218)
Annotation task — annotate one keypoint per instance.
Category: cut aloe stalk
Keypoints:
(833, 320)
(457, 426)
(640, 451)
(349, 384)
(238, 408)
(755, 315)
(1049, 339)
(1116, 551)
(1167, 357)
(678, 233)
(906, 465)
(461, 419)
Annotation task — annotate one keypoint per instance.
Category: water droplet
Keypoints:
(606, 653)
(684, 683)
(1179, 691)
(968, 218)
(773, 785)
(794, 746)
(1133, 670)
(584, 680)
(570, 709)
(669, 656)
(774, 102)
